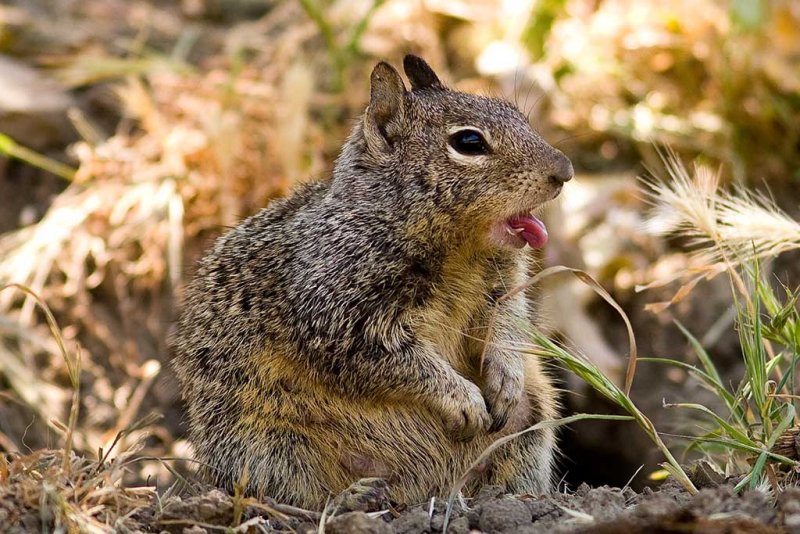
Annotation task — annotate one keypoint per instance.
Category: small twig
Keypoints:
(323, 518)
(244, 527)
(773, 479)
(149, 371)
(290, 510)
(239, 488)
(630, 480)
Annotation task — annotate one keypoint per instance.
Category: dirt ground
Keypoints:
(598, 510)
(604, 510)
(588, 509)
(48, 491)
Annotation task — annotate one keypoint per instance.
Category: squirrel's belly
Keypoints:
(393, 442)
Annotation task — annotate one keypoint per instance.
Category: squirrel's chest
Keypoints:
(456, 313)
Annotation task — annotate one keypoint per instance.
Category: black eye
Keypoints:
(469, 142)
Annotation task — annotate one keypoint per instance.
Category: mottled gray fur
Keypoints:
(337, 333)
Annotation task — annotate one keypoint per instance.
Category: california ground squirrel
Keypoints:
(337, 333)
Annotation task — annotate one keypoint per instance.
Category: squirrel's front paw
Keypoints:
(503, 381)
(464, 411)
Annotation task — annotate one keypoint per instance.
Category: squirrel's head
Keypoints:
(476, 160)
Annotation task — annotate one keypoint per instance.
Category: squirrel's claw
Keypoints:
(503, 384)
(465, 412)
(499, 420)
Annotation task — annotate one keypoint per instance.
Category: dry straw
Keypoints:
(725, 229)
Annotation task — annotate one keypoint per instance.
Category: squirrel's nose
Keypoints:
(561, 170)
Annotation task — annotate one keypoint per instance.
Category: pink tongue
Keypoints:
(533, 230)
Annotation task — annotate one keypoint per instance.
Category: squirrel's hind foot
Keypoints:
(364, 495)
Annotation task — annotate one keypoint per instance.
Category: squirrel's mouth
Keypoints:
(520, 230)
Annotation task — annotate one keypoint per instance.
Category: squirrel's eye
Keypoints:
(469, 143)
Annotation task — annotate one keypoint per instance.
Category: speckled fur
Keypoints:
(335, 335)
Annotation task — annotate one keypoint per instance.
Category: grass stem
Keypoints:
(12, 149)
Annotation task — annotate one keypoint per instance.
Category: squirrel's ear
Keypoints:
(420, 73)
(385, 105)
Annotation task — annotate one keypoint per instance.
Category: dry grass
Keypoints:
(84, 496)
(723, 229)
(195, 152)
(61, 488)
(736, 225)
(714, 79)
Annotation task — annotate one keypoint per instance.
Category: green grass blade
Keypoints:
(588, 372)
(12, 149)
(754, 450)
(729, 429)
(701, 353)
(742, 483)
(758, 469)
(785, 423)
(710, 381)
(755, 356)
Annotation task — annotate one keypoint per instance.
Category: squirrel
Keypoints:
(339, 333)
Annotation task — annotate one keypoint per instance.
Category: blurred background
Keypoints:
(134, 132)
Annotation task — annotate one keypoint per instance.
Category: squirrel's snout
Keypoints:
(561, 169)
